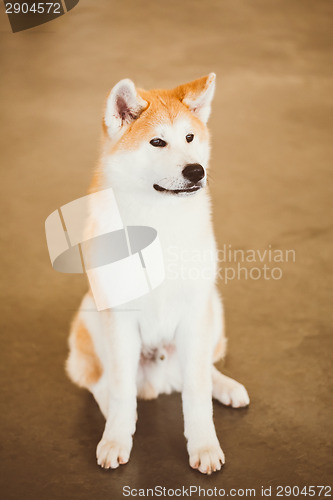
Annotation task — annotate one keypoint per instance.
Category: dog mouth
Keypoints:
(186, 190)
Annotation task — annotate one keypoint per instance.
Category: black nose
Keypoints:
(193, 172)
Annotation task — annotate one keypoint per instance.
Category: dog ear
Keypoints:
(123, 106)
(198, 95)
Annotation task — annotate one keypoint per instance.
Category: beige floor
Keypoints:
(271, 185)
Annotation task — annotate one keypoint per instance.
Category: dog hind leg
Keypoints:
(83, 365)
(228, 391)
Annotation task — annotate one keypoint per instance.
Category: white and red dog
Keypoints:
(155, 154)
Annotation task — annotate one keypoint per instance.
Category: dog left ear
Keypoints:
(123, 106)
(198, 95)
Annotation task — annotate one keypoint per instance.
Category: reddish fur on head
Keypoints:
(163, 105)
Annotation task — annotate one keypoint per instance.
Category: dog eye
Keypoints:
(158, 143)
(189, 137)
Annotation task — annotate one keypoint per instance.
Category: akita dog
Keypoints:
(155, 153)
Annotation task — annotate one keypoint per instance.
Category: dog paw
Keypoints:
(111, 453)
(231, 393)
(236, 396)
(207, 459)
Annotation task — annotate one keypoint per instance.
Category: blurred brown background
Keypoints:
(271, 185)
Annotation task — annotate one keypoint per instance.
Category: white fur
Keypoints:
(182, 320)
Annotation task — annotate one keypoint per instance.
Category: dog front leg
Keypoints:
(195, 352)
(122, 349)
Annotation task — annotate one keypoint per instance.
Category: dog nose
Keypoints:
(193, 172)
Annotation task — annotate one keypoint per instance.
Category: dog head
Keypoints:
(158, 140)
